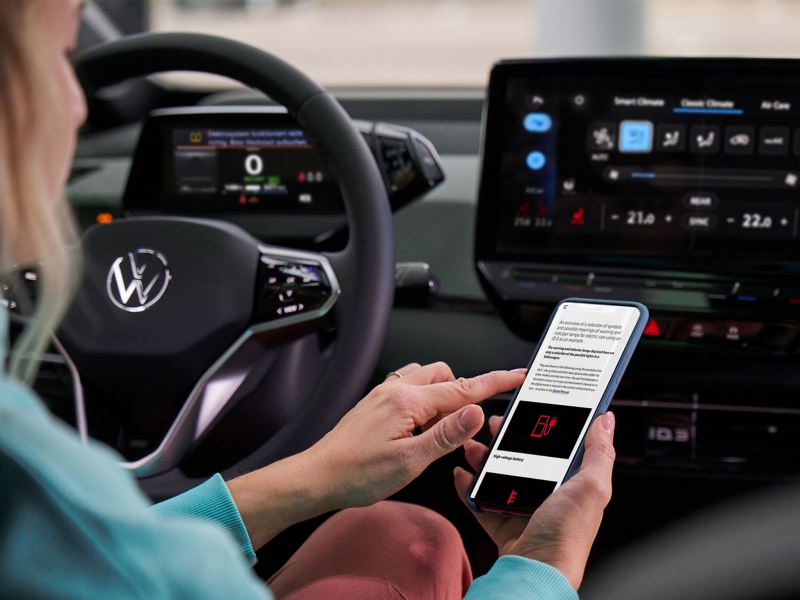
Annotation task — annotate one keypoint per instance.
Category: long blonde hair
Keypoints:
(34, 226)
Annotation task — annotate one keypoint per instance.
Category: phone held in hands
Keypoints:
(571, 380)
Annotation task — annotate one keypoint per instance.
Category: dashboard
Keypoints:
(674, 182)
(712, 388)
(710, 395)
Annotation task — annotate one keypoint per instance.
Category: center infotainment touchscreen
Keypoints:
(632, 157)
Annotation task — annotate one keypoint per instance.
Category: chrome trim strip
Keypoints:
(216, 396)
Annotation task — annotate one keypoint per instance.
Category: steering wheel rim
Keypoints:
(365, 267)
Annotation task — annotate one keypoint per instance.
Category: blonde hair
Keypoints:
(34, 227)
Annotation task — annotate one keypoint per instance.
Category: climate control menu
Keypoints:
(644, 163)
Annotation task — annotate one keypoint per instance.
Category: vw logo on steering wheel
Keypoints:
(137, 280)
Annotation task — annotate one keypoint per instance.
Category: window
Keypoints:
(452, 43)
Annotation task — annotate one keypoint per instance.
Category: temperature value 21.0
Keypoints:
(640, 217)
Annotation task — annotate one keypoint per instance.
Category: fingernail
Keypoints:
(522, 370)
(609, 421)
(470, 417)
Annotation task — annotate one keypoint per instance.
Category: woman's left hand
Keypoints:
(372, 452)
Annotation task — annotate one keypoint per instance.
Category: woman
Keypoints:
(74, 525)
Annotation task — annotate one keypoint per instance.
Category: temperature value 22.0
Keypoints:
(756, 221)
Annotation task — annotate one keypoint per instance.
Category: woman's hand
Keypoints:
(562, 530)
(372, 452)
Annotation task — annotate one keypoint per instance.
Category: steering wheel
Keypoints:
(176, 318)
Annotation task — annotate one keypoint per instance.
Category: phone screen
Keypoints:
(553, 408)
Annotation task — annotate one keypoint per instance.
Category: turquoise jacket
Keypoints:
(73, 524)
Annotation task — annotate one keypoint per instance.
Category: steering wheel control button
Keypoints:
(290, 309)
(740, 140)
(138, 279)
(535, 161)
(291, 286)
(537, 122)
(636, 137)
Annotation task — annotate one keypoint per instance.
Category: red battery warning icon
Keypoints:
(543, 426)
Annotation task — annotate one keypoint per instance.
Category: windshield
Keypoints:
(453, 43)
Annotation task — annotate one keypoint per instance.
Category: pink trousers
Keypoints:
(388, 550)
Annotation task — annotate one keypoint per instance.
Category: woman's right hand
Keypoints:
(562, 530)
(372, 452)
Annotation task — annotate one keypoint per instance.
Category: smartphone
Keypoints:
(571, 379)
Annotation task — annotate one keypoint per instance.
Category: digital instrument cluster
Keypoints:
(247, 167)
(675, 182)
(259, 160)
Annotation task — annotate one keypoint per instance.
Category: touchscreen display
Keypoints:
(247, 168)
(554, 406)
(642, 157)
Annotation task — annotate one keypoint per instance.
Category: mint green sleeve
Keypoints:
(210, 501)
(522, 578)
(74, 524)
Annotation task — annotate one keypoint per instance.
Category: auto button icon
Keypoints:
(601, 136)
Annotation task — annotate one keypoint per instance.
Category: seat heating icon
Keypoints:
(543, 426)
(578, 217)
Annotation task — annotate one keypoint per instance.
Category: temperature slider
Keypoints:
(680, 177)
